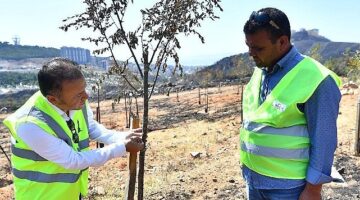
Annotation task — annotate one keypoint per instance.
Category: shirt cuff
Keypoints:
(316, 177)
(119, 149)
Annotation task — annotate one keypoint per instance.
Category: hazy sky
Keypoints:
(36, 22)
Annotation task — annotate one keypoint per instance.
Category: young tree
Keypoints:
(353, 63)
(157, 39)
(314, 52)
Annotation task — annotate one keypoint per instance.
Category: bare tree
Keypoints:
(157, 38)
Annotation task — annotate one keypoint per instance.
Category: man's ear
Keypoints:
(52, 99)
(284, 42)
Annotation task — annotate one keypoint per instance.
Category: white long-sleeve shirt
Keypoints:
(57, 151)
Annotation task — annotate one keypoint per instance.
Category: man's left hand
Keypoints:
(311, 192)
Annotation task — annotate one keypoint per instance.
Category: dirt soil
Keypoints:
(182, 128)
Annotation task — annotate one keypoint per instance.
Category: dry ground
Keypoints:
(183, 127)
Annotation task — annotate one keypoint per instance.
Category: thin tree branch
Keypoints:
(128, 44)
(158, 70)
(133, 87)
(107, 40)
(155, 50)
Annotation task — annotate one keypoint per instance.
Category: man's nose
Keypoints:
(85, 95)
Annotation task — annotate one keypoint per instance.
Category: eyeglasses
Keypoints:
(263, 18)
(72, 128)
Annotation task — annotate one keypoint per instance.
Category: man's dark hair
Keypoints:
(54, 72)
(272, 20)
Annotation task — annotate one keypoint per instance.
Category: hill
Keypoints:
(240, 65)
(305, 40)
(19, 52)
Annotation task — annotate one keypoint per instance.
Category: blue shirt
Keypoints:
(321, 111)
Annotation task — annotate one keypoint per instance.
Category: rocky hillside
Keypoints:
(240, 65)
(305, 40)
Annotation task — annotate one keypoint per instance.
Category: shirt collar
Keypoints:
(284, 61)
(61, 112)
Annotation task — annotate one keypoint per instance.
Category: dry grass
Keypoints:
(172, 173)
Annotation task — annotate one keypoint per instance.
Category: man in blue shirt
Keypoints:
(268, 37)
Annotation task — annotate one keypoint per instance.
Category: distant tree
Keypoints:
(315, 52)
(206, 77)
(11, 78)
(219, 75)
(239, 69)
(354, 66)
(157, 38)
(337, 65)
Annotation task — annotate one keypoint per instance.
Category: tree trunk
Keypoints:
(7, 157)
(199, 96)
(137, 107)
(130, 112)
(98, 118)
(357, 133)
(177, 95)
(206, 100)
(145, 131)
(238, 89)
(126, 114)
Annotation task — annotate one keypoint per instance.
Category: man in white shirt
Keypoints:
(50, 137)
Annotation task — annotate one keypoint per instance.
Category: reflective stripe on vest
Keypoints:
(84, 144)
(47, 178)
(302, 153)
(35, 112)
(28, 154)
(84, 110)
(300, 131)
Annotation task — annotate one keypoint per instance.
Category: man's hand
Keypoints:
(311, 192)
(135, 132)
(134, 144)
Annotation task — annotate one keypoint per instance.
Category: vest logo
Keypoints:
(279, 106)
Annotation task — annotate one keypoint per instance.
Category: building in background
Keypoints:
(79, 55)
(101, 62)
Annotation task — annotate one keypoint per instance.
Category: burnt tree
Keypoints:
(151, 45)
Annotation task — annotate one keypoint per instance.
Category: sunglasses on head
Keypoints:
(72, 128)
(263, 18)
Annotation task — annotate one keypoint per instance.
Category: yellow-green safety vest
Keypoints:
(34, 176)
(274, 140)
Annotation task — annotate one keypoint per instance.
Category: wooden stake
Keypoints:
(130, 187)
(241, 105)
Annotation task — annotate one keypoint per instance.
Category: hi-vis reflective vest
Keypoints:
(34, 176)
(274, 140)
